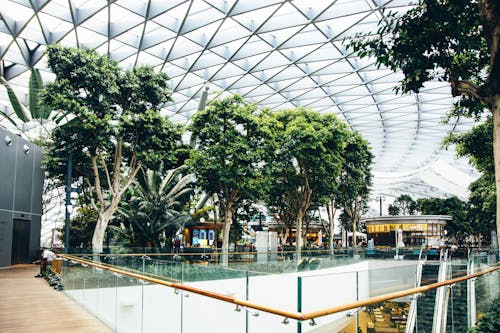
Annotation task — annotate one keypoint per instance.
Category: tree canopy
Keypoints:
(446, 40)
(228, 154)
(306, 161)
(116, 129)
(403, 205)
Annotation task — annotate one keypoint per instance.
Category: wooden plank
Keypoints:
(29, 304)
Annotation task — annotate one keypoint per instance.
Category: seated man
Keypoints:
(46, 259)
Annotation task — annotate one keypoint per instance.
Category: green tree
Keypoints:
(307, 160)
(117, 128)
(446, 40)
(460, 226)
(354, 183)
(403, 205)
(477, 145)
(490, 321)
(228, 156)
(155, 206)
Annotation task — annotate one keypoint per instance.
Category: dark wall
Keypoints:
(21, 186)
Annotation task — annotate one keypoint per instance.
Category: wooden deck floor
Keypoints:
(29, 304)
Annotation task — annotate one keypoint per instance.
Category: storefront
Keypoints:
(413, 230)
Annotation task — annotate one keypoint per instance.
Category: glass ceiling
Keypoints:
(279, 54)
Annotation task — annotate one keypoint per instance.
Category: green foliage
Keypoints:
(482, 201)
(16, 104)
(82, 227)
(477, 146)
(109, 106)
(490, 321)
(436, 40)
(403, 205)
(116, 129)
(355, 181)
(35, 110)
(228, 151)
(445, 40)
(153, 208)
(227, 161)
(460, 226)
(305, 160)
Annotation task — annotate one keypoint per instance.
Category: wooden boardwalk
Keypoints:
(29, 304)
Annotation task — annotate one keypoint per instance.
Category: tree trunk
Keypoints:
(228, 220)
(496, 154)
(100, 230)
(298, 235)
(103, 219)
(331, 226)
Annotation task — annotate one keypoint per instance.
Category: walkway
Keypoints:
(30, 305)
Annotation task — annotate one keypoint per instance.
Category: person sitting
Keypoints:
(46, 258)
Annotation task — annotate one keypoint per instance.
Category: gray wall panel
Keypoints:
(35, 229)
(21, 186)
(7, 169)
(5, 237)
(37, 185)
(24, 180)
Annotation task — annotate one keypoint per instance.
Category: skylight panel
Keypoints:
(182, 48)
(228, 33)
(342, 9)
(286, 17)
(89, 38)
(201, 15)
(289, 73)
(54, 25)
(229, 70)
(16, 12)
(147, 59)
(305, 38)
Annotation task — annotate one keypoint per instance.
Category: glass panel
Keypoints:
(128, 304)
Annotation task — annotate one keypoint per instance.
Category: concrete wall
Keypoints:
(21, 186)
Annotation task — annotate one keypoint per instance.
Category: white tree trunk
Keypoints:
(228, 220)
(103, 219)
(100, 230)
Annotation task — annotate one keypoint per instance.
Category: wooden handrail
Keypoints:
(287, 314)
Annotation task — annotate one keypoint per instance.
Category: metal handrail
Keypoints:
(301, 316)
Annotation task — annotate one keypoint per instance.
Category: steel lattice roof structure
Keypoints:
(277, 53)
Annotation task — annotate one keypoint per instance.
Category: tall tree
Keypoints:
(446, 40)
(117, 127)
(228, 154)
(353, 184)
(403, 205)
(356, 180)
(307, 159)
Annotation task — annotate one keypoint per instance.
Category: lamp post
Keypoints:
(380, 199)
(69, 167)
(69, 189)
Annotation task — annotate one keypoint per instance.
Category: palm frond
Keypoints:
(14, 101)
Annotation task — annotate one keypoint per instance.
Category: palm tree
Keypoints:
(153, 211)
(34, 115)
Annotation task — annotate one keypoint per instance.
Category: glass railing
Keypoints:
(162, 293)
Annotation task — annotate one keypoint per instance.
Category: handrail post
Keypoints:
(471, 294)
(299, 302)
